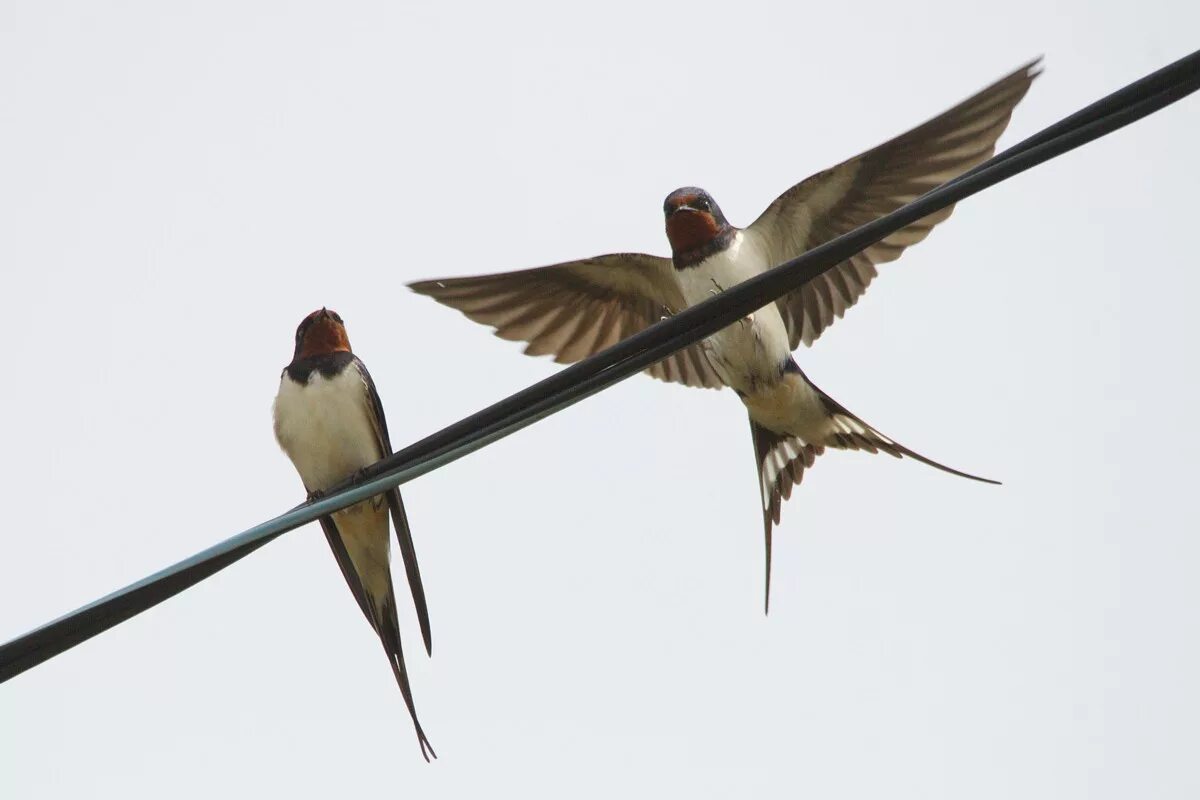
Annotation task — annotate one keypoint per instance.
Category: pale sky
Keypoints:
(182, 183)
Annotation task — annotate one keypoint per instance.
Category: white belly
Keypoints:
(749, 353)
(325, 427)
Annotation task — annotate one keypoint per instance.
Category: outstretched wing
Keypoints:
(578, 308)
(873, 184)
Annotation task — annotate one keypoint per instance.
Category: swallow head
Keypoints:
(696, 227)
(322, 332)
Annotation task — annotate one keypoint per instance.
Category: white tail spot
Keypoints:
(775, 461)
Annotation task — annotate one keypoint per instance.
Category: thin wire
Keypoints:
(1174, 74)
(594, 374)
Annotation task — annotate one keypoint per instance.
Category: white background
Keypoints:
(182, 184)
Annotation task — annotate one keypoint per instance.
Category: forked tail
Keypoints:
(781, 460)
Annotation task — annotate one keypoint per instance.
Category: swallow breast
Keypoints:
(325, 428)
(749, 353)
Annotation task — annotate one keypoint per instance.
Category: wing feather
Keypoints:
(576, 309)
(408, 552)
(871, 185)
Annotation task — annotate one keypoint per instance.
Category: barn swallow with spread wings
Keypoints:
(330, 422)
(575, 309)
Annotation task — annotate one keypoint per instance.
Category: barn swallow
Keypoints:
(575, 309)
(330, 422)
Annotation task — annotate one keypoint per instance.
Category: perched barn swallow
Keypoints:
(575, 309)
(330, 422)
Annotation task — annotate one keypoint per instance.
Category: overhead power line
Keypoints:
(581, 380)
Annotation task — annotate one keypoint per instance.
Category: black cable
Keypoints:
(587, 377)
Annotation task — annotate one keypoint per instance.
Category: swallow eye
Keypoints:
(703, 204)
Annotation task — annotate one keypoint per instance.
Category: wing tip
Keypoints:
(432, 287)
(1034, 67)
